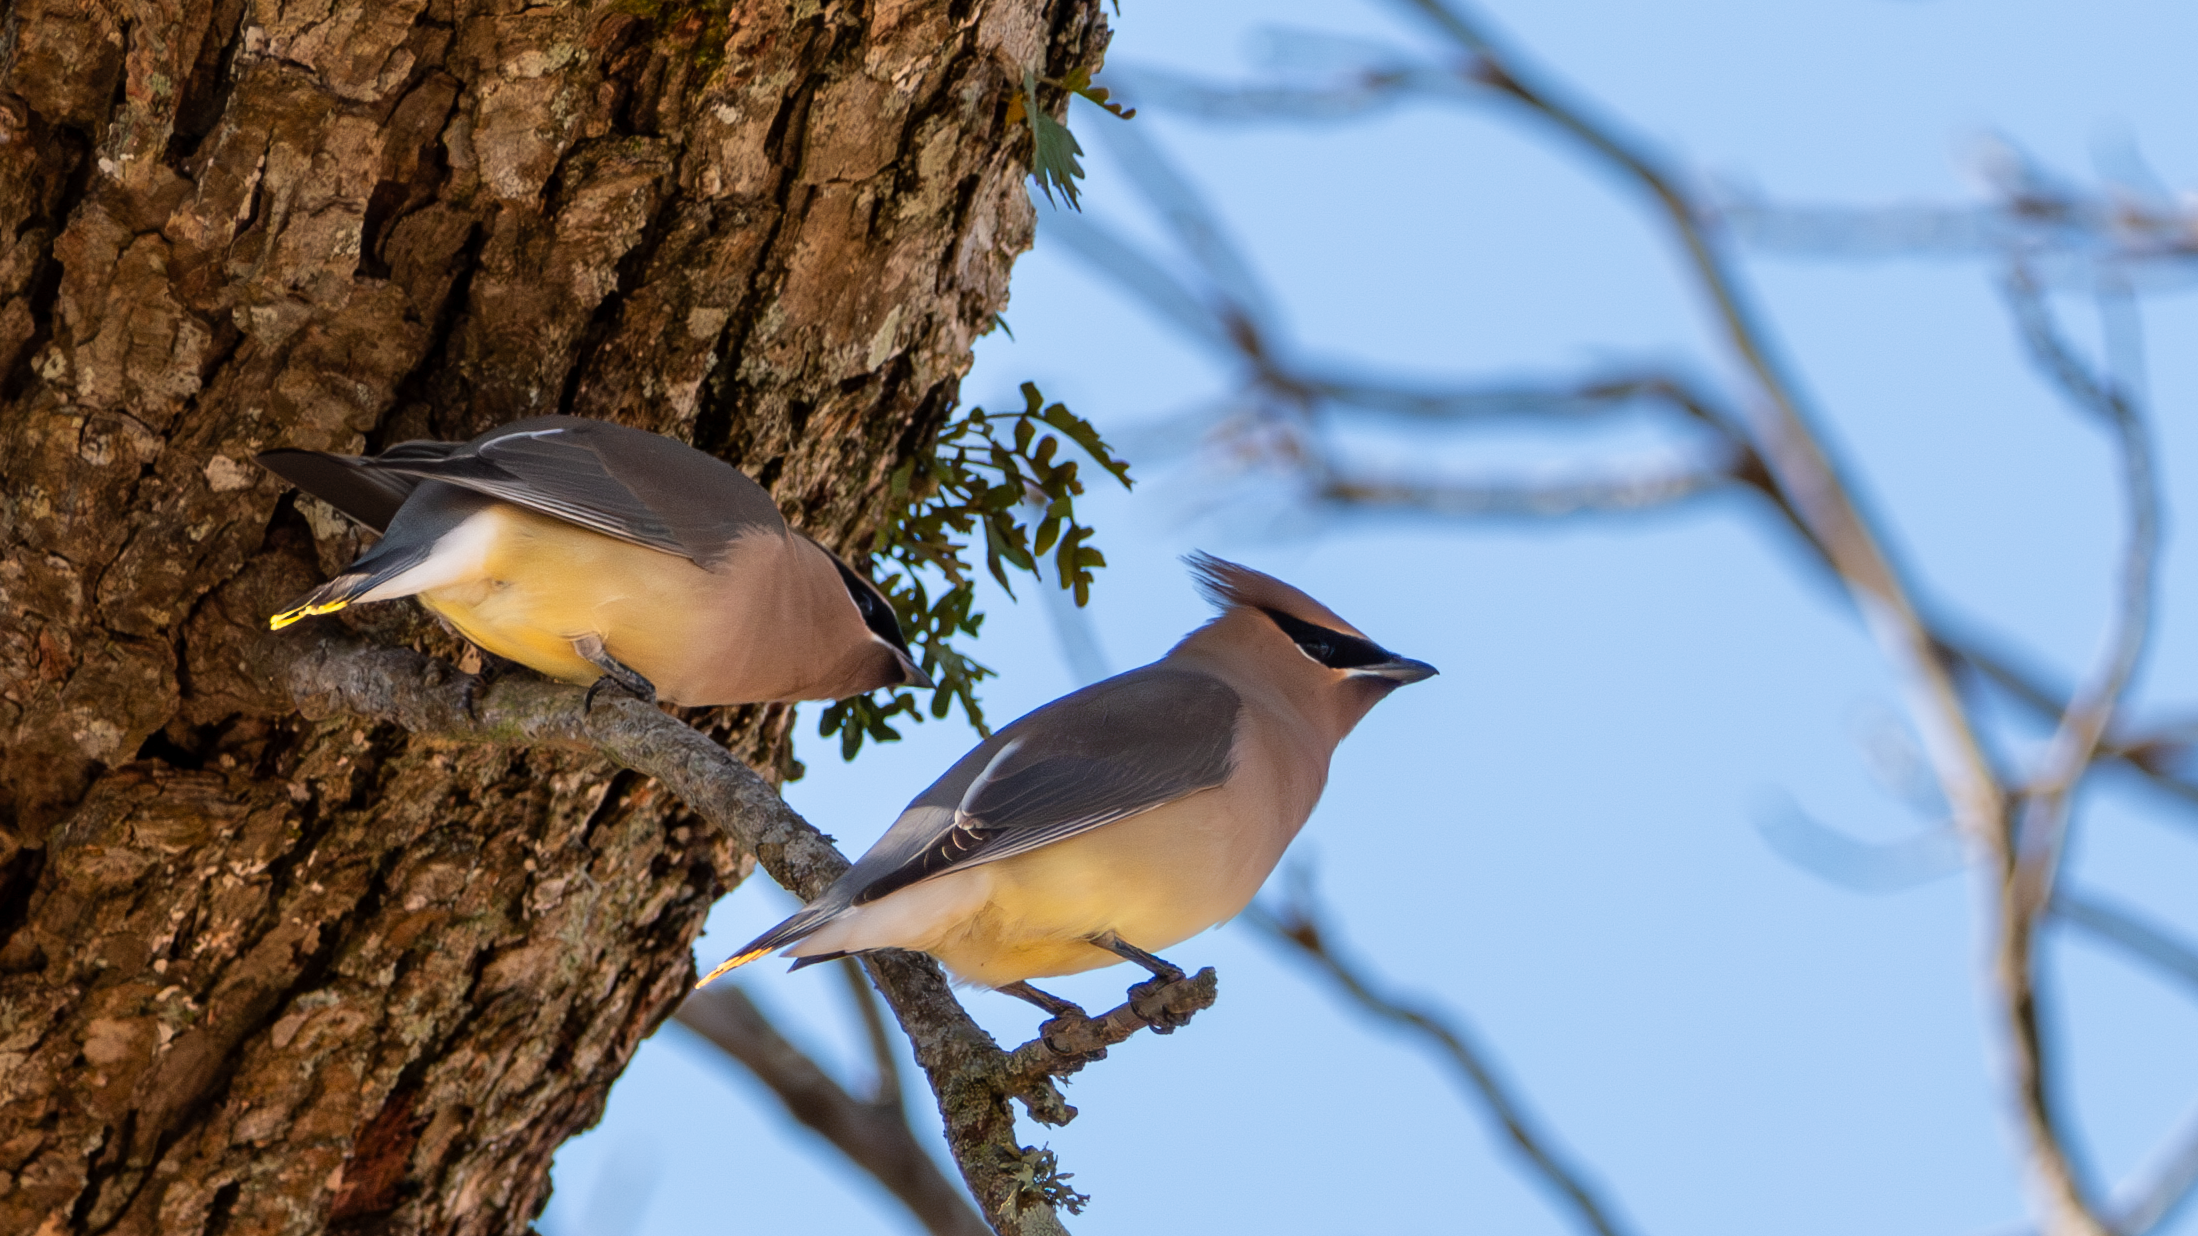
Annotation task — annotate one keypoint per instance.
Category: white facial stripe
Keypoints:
(461, 555)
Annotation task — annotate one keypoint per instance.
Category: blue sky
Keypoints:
(1557, 838)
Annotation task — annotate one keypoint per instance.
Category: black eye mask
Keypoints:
(1333, 649)
(876, 613)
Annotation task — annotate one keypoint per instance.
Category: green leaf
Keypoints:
(1079, 82)
(985, 469)
(1081, 432)
(1054, 160)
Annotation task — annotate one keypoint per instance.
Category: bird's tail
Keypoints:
(326, 599)
(793, 930)
(376, 567)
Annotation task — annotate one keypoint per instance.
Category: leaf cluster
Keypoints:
(998, 476)
(1054, 160)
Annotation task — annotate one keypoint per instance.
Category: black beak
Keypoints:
(1399, 670)
(912, 674)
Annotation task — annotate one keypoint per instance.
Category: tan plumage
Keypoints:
(584, 549)
(1142, 810)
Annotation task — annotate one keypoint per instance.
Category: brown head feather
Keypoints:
(1226, 584)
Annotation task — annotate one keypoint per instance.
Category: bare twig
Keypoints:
(2129, 932)
(971, 1077)
(2152, 755)
(2030, 867)
(1295, 923)
(1595, 496)
(886, 1086)
(2090, 713)
(873, 1133)
(2157, 1193)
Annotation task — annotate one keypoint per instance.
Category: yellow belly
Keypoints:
(1154, 879)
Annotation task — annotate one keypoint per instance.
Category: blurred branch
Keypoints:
(873, 1133)
(2030, 867)
(1616, 494)
(2129, 932)
(2156, 1194)
(2152, 755)
(2090, 712)
(886, 1087)
(1296, 923)
(2126, 230)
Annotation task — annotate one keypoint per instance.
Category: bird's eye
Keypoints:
(1333, 649)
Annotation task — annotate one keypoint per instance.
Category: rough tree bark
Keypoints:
(264, 975)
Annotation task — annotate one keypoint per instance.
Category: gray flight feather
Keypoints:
(627, 483)
(1116, 748)
(360, 487)
(640, 487)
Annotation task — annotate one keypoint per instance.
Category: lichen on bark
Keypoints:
(260, 973)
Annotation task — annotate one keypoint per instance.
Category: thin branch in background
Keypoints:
(2032, 861)
(1603, 495)
(872, 1133)
(885, 1087)
(2090, 712)
(1296, 922)
(2156, 1193)
(2127, 931)
(2155, 755)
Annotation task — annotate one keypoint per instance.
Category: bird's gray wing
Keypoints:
(357, 486)
(1111, 750)
(627, 483)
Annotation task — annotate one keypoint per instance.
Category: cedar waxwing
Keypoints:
(593, 551)
(1123, 818)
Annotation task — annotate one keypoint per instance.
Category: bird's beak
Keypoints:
(1399, 670)
(912, 673)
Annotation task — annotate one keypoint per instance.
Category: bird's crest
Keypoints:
(1227, 584)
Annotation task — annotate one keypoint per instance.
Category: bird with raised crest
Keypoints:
(1120, 819)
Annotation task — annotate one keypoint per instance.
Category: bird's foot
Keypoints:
(1159, 1003)
(469, 695)
(1067, 1030)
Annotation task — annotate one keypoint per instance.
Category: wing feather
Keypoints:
(1115, 749)
(640, 487)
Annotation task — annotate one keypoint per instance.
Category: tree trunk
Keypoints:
(264, 975)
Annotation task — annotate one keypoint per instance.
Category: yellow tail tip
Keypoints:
(302, 612)
(732, 963)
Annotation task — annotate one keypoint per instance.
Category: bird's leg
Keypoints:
(615, 672)
(1053, 1005)
(1164, 974)
(1162, 969)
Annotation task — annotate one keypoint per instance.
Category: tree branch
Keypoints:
(1602, 495)
(2129, 932)
(971, 1077)
(1295, 923)
(872, 1133)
